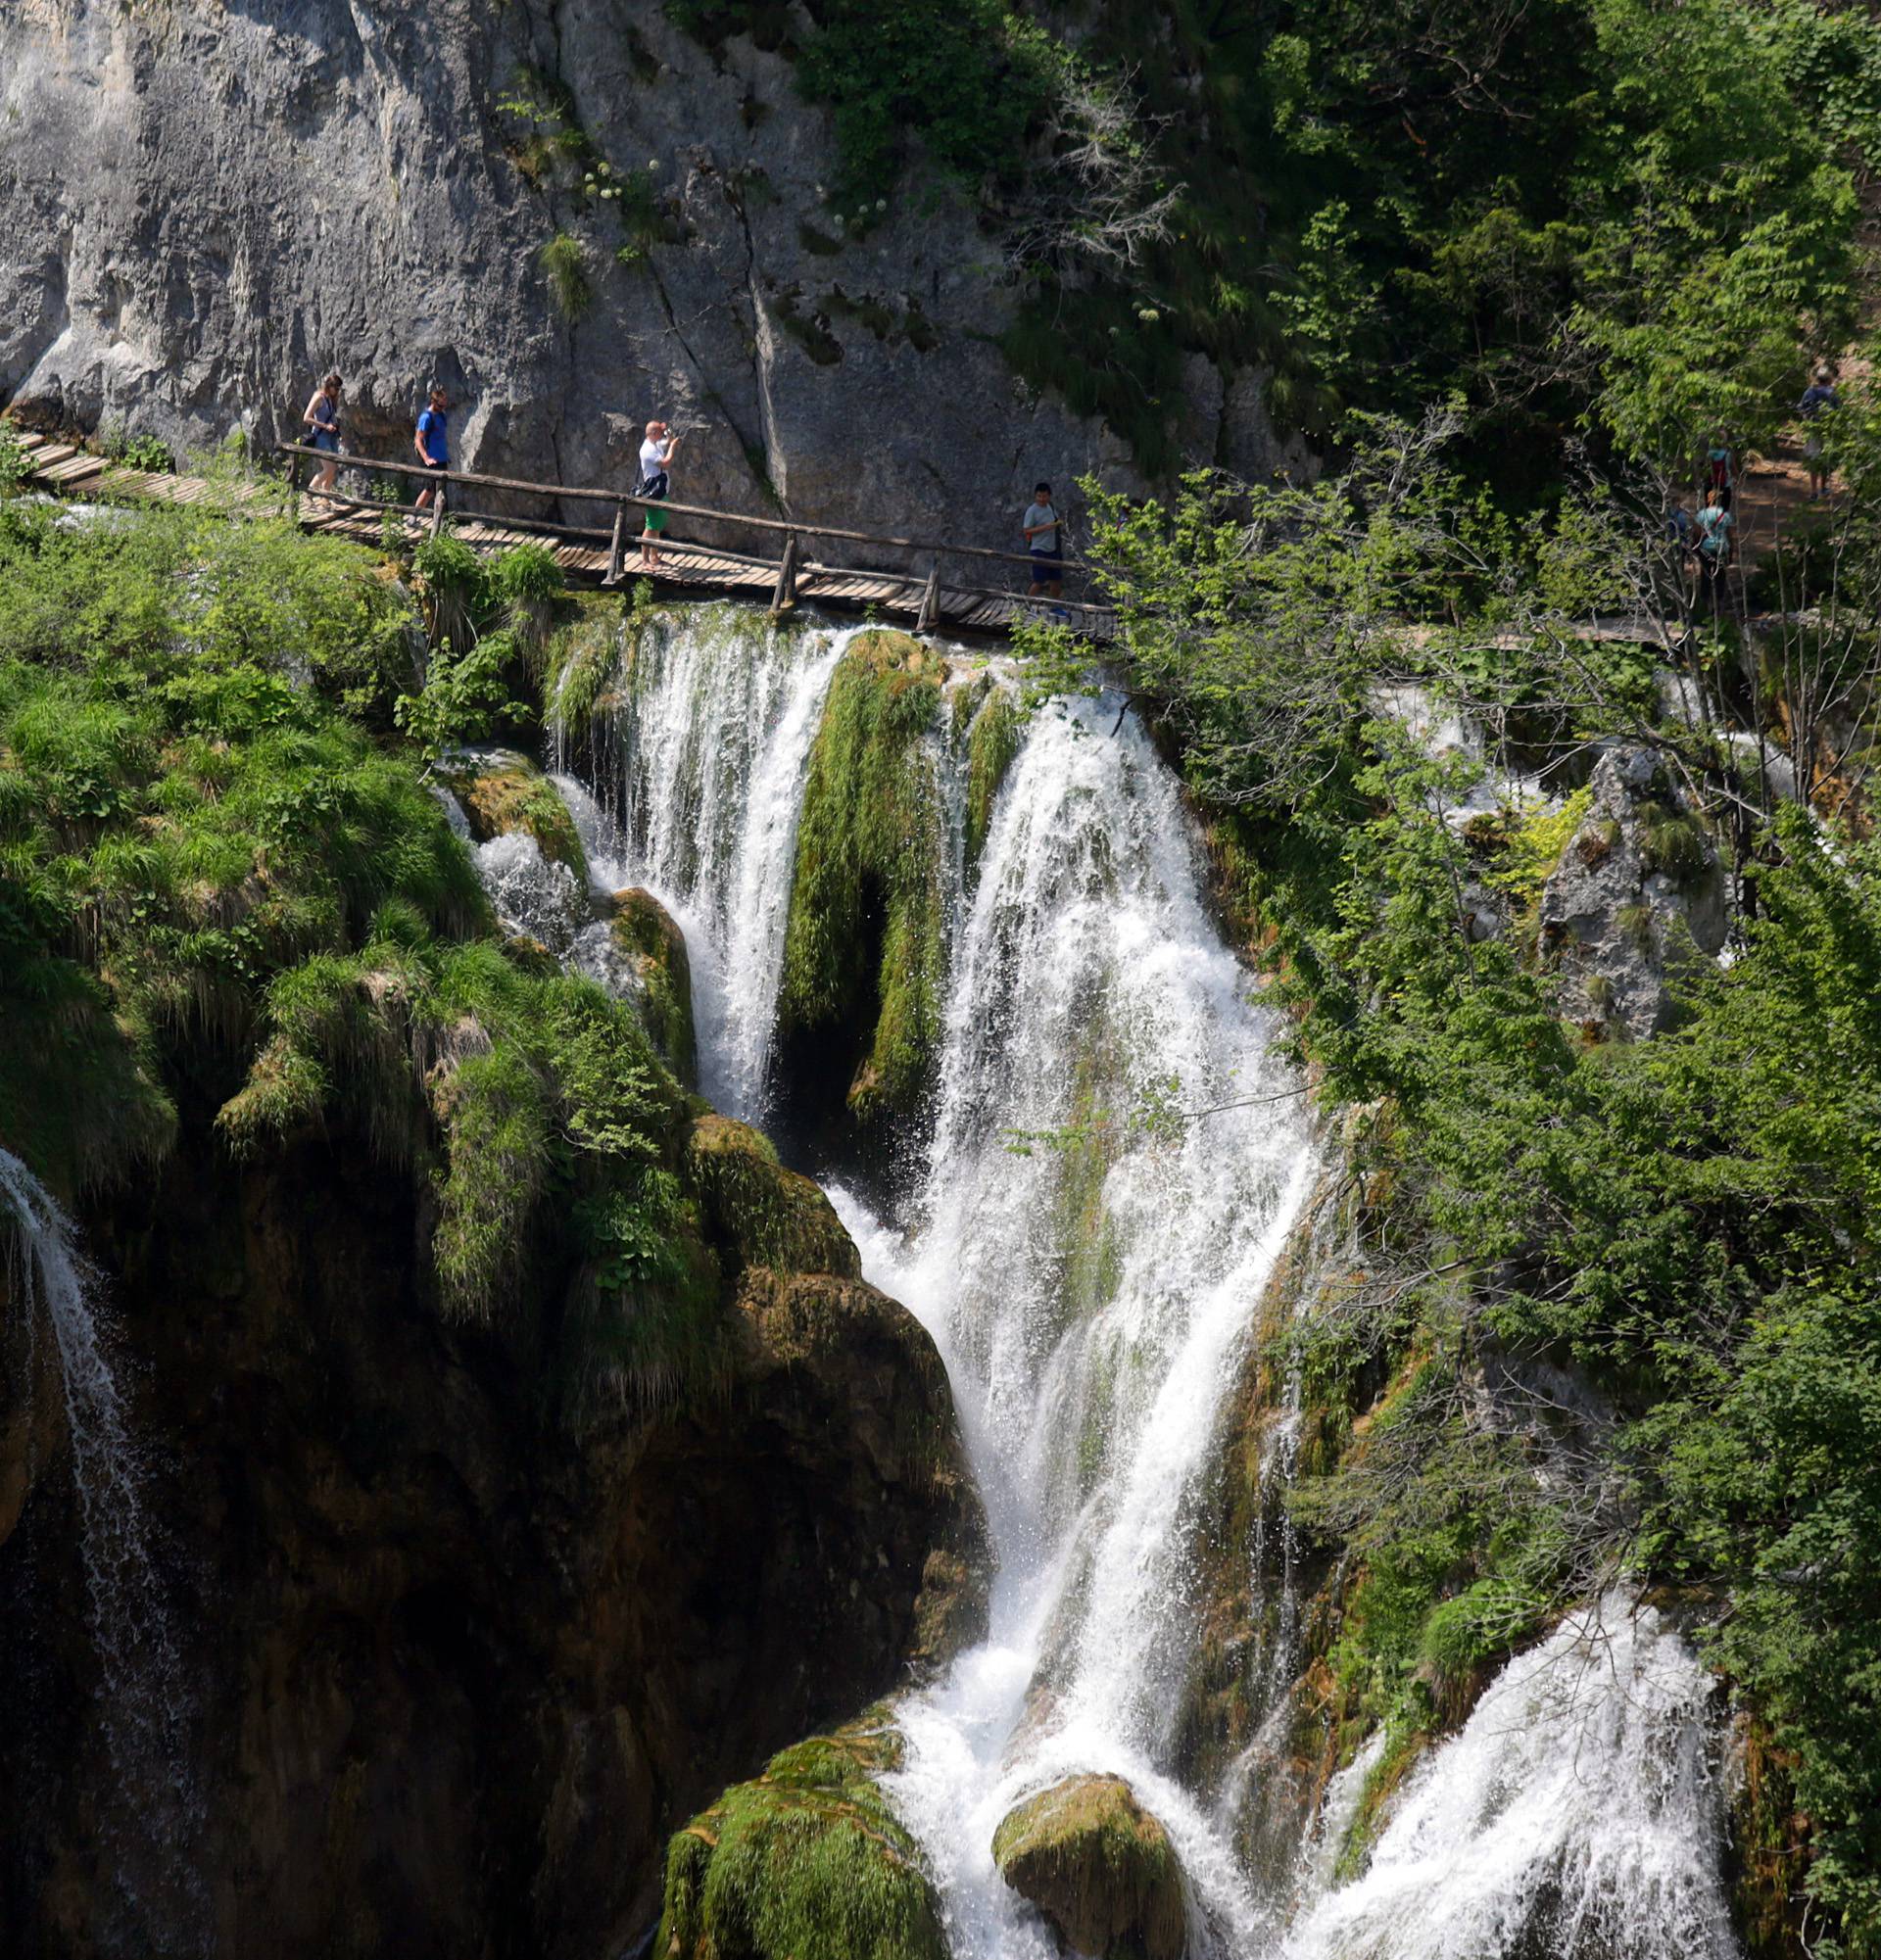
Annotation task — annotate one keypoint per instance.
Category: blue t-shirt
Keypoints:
(1815, 398)
(434, 433)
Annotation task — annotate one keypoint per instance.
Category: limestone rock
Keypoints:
(1638, 890)
(1099, 1867)
(203, 207)
(805, 1860)
(501, 791)
(653, 951)
(759, 1213)
(462, 1665)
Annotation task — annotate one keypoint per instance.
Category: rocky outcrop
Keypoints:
(201, 209)
(652, 951)
(807, 1859)
(1638, 891)
(501, 791)
(1099, 1867)
(458, 1670)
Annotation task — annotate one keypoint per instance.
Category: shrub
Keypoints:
(565, 264)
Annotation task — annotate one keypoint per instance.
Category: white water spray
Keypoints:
(1577, 1812)
(1092, 1296)
(700, 780)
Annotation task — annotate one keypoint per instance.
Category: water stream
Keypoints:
(143, 1703)
(1088, 1251)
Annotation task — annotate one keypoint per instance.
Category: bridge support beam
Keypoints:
(929, 617)
(784, 598)
(614, 549)
(437, 511)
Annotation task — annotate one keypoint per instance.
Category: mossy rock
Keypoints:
(992, 741)
(501, 791)
(865, 945)
(758, 1212)
(1099, 1867)
(648, 937)
(805, 1862)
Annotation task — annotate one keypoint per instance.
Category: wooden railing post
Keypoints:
(785, 595)
(614, 549)
(437, 511)
(929, 617)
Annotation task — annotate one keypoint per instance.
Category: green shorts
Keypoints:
(655, 520)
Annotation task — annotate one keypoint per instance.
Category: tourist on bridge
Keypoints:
(1040, 526)
(655, 460)
(1720, 472)
(322, 420)
(1715, 545)
(433, 442)
(1818, 395)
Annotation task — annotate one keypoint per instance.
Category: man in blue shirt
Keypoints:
(433, 442)
(1818, 395)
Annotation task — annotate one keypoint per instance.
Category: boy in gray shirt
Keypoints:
(1040, 526)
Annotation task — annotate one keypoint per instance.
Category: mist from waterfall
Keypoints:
(143, 1701)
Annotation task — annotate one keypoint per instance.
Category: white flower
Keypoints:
(652, 162)
(881, 204)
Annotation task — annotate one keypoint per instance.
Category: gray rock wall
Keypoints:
(204, 206)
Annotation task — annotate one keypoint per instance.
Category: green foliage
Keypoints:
(464, 696)
(15, 464)
(868, 851)
(564, 265)
(807, 1859)
(992, 741)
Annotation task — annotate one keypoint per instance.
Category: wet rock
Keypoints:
(650, 951)
(500, 792)
(462, 1666)
(1099, 1867)
(759, 1213)
(1638, 892)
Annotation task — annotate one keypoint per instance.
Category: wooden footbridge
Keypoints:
(899, 578)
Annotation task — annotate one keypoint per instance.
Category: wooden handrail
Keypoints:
(624, 498)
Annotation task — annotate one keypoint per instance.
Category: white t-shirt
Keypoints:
(650, 459)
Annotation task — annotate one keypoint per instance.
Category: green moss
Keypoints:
(865, 949)
(580, 667)
(992, 740)
(645, 934)
(505, 792)
(762, 1213)
(1634, 924)
(1403, 1748)
(1671, 841)
(807, 1859)
(1091, 1858)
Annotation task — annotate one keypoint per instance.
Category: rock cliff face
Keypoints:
(203, 206)
(457, 1672)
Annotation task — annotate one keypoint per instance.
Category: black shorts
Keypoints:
(1047, 567)
(445, 465)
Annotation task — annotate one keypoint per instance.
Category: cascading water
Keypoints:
(699, 780)
(1091, 1296)
(143, 1701)
(1088, 1251)
(1577, 1812)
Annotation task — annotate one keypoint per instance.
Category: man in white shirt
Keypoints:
(656, 459)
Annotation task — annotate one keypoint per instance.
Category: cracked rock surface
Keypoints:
(204, 206)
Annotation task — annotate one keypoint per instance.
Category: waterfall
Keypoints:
(1577, 1812)
(1113, 1164)
(700, 759)
(1092, 1296)
(143, 1703)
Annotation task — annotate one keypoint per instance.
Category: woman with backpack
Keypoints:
(322, 422)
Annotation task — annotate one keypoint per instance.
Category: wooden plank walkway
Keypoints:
(586, 558)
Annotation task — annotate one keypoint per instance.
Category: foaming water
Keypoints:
(698, 781)
(152, 1820)
(1577, 1812)
(1091, 1277)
